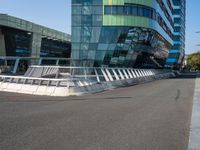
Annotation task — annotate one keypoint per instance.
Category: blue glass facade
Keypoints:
(177, 52)
(121, 33)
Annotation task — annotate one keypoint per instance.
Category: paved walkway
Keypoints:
(152, 116)
(195, 123)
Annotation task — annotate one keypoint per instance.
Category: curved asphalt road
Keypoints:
(151, 116)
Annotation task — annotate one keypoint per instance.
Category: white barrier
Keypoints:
(98, 79)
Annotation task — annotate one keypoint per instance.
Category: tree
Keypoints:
(193, 61)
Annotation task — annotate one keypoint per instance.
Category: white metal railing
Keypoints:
(44, 81)
(78, 76)
(108, 74)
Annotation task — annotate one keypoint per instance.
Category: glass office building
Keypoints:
(177, 53)
(21, 38)
(121, 33)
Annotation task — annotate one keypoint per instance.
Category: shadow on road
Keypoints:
(37, 99)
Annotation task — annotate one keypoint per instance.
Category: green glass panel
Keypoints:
(110, 20)
(121, 2)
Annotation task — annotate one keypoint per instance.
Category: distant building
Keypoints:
(122, 33)
(22, 38)
(177, 53)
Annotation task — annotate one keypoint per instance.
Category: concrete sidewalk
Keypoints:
(194, 143)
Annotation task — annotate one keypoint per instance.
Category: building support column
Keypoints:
(36, 47)
(57, 62)
(2, 44)
(16, 66)
(40, 61)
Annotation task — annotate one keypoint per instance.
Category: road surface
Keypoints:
(151, 116)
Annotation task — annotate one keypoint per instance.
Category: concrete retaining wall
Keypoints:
(34, 89)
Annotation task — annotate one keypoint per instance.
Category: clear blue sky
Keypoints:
(56, 14)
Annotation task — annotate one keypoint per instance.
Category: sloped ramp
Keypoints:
(38, 72)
